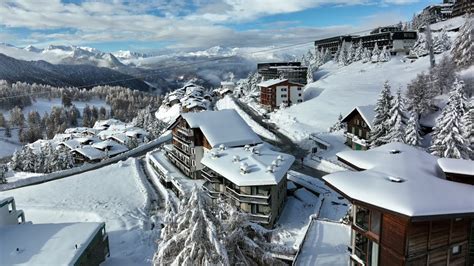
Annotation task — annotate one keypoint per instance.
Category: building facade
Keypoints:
(393, 38)
(358, 127)
(397, 217)
(293, 71)
(462, 7)
(258, 191)
(275, 92)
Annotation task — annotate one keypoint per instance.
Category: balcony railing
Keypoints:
(260, 218)
(183, 151)
(256, 199)
(173, 157)
(182, 138)
(185, 131)
(211, 177)
(210, 190)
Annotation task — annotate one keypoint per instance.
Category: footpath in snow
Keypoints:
(117, 194)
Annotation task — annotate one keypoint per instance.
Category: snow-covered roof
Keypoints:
(90, 152)
(45, 244)
(402, 179)
(325, 243)
(271, 82)
(132, 132)
(227, 83)
(101, 123)
(71, 144)
(367, 112)
(457, 166)
(257, 164)
(222, 127)
(120, 137)
(112, 145)
(80, 130)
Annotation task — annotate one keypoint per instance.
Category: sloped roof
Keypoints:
(257, 165)
(222, 127)
(457, 166)
(367, 112)
(90, 152)
(402, 179)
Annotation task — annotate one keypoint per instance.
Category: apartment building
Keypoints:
(275, 92)
(293, 71)
(253, 178)
(195, 133)
(405, 211)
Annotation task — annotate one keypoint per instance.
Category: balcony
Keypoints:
(181, 150)
(182, 139)
(178, 161)
(185, 131)
(211, 176)
(209, 188)
(256, 199)
(260, 218)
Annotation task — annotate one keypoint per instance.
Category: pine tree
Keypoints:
(382, 115)
(337, 54)
(366, 55)
(429, 45)
(448, 138)
(444, 75)
(338, 125)
(16, 117)
(412, 132)
(420, 94)
(397, 121)
(309, 75)
(384, 55)
(463, 45)
(358, 54)
(468, 129)
(375, 54)
(195, 239)
(3, 173)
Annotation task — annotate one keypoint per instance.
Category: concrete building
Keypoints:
(275, 92)
(293, 71)
(26, 243)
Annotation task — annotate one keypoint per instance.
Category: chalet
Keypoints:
(193, 133)
(253, 178)
(404, 211)
(87, 154)
(293, 71)
(458, 170)
(359, 124)
(275, 92)
(49, 243)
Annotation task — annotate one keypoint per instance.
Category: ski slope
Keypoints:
(339, 89)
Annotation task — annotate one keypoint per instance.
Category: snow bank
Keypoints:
(114, 194)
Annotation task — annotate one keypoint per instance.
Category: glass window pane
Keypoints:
(362, 218)
(375, 218)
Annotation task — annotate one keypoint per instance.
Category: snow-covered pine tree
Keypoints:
(441, 43)
(397, 122)
(419, 48)
(3, 173)
(384, 55)
(350, 54)
(375, 54)
(412, 131)
(468, 128)
(448, 138)
(382, 115)
(342, 58)
(326, 56)
(358, 53)
(309, 74)
(443, 74)
(337, 54)
(463, 45)
(366, 55)
(420, 94)
(195, 240)
(338, 125)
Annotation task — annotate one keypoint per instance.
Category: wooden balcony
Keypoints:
(211, 176)
(209, 188)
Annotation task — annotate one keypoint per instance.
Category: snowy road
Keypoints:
(284, 143)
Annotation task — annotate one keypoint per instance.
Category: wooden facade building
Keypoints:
(358, 127)
(403, 215)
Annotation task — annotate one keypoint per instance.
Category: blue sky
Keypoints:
(111, 25)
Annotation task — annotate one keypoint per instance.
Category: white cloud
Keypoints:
(183, 23)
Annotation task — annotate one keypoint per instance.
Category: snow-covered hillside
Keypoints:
(116, 194)
(339, 89)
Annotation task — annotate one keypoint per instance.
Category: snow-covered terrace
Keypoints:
(45, 244)
(325, 244)
(222, 127)
(249, 166)
(402, 179)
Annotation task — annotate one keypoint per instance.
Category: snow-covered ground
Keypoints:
(339, 90)
(116, 194)
(42, 105)
(228, 103)
(9, 145)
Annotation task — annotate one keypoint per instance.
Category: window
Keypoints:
(300, 101)
(283, 89)
(361, 219)
(456, 250)
(299, 94)
(284, 95)
(366, 250)
(299, 88)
